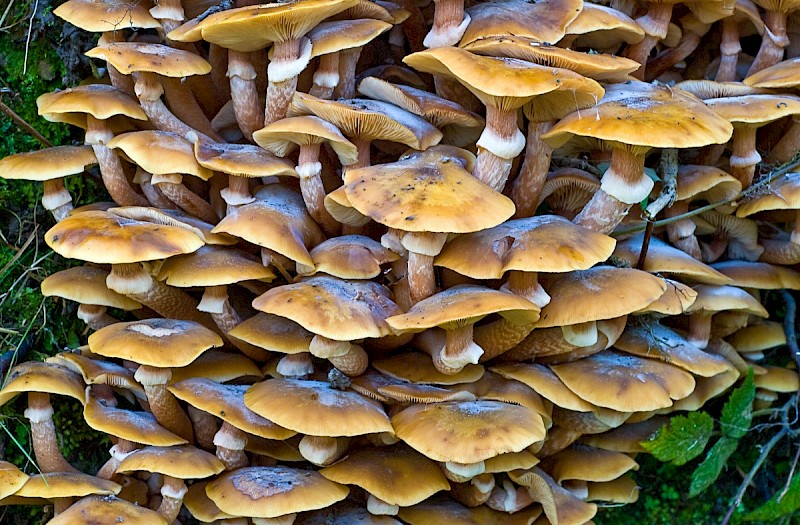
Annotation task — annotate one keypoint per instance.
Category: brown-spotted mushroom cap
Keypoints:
(227, 403)
(585, 296)
(106, 510)
(53, 485)
(397, 476)
(316, 409)
(625, 382)
(270, 492)
(11, 479)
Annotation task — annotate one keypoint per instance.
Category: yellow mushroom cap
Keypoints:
(625, 382)
(784, 74)
(213, 266)
(180, 461)
(242, 160)
(334, 36)
(53, 485)
(336, 309)
(47, 164)
(34, 376)
(468, 431)
(755, 109)
(711, 298)
(544, 21)
(349, 257)
(101, 237)
(397, 475)
(86, 285)
(589, 464)
(762, 276)
(155, 342)
(129, 57)
(252, 28)
(784, 194)
(177, 218)
(599, 293)
(105, 510)
(227, 403)
(640, 114)
(757, 337)
(106, 15)
(545, 243)
(270, 492)
(663, 258)
(316, 409)
(160, 152)
(274, 333)
(281, 137)
(11, 479)
(219, 366)
(706, 182)
(416, 367)
(462, 304)
(426, 193)
(99, 100)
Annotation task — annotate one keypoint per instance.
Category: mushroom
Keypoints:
(103, 509)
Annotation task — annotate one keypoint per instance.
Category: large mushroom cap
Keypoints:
(468, 431)
(316, 409)
(181, 461)
(101, 237)
(426, 193)
(281, 137)
(107, 510)
(129, 57)
(336, 309)
(645, 115)
(106, 15)
(213, 266)
(663, 258)
(546, 243)
(47, 164)
(156, 342)
(99, 100)
(270, 492)
(86, 285)
(160, 153)
(544, 21)
(11, 479)
(34, 376)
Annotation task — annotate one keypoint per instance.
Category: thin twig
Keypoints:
(21, 122)
(790, 476)
(789, 326)
(28, 38)
(759, 186)
(668, 171)
(765, 451)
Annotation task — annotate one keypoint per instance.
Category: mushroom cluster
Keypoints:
(358, 292)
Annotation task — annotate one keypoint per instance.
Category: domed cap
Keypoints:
(107, 510)
(369, 120)
(542, 379)
(86, 285)
(103, 16)
(270, 492)
(242, 160)
(644, 115)
(581, 462)
(712, 298)
(155, 342)
(338, 35)
(544, 21)
(755, 109)
(625, 382)
(99, 100)
(54, 485)
(34, 376)
(274, 333)
(784, 194)
(468, 431)
(602, 292)
(11, 479)
(316, 409)
(213, 266)
(227, 403)
(784, 74)
(219, 366)
(139, 427)
(180, 461)
(762, 276)
(707, 183)
(597, 66)
(545, 243)
(426, 193)
(177, 218)
(602, 27)
(160, 153)
(336, 309)
(276, 220)
(349, 257)
(47, 164)
(130, 57)
(397, 475)
(282, 136)
(97, 372)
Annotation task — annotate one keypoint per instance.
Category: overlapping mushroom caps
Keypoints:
(353, 215)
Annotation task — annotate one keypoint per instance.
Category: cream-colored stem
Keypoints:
(310, 171)
(421, 276)
(244, 94)
(491, 169)
(772, 43)
(326, 78)
(602, 213)
(43, 434)
(348, 60)
(729, 48)
(230, 443)
(527, 187)
(118, 451)
(699, 329)
(744, 156)
(152, 193)
(188, 201)
(56, 198)
(498, 337)
(172, 493)
(95, 317)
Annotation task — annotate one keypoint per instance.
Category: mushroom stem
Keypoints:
(459, 348)
(118, 452)
(295, 365)
(238, 191)
(172, 493)
(163, 404)
(183, 103)
(56, 198)
(602, 213)
(289, 59)
(152, 193)
(499, 337)
(230, 442)
(353, 363)
(121, 192)
(787, 146)
(310, 171)
(772, 43)
(172, 187)
(681, 233)
(744, 156)
(326, 78)
(205, 427)
(498, 145)
(149, 90)
(348, 60)
(421, 276)
(95, 317)
(449, 24)
(526, 284)
(322, 450)
(118, 80)
(581, 334)
(729, 48)
(244, 94)
(43, 434)
(700, 329)
(655, 24)
(378, 507)
(527, 187)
